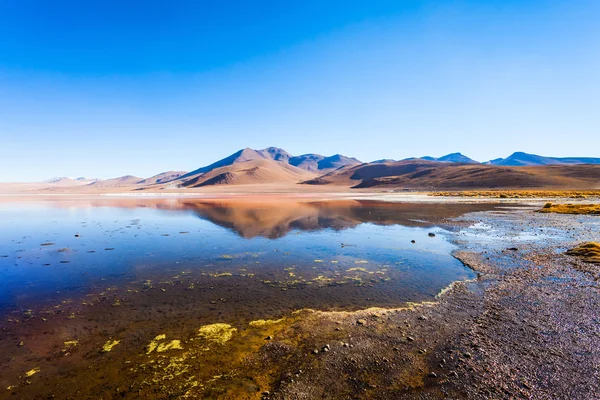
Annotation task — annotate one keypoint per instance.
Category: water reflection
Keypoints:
(360, 251)
(77, 276)
(275, 218)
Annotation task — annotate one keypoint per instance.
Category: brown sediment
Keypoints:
(585, 209)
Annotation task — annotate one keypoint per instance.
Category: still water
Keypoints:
(178, 298)
(254, 258)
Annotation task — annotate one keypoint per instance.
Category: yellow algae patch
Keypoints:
(356, 269)
(156, 344)
(32, 372)
(588, 252)
(521, 193)
(108, 346)
(264, 322)
(318, 261)
(226, 256)
(221, 274)
(451, 286)
(361, 262)
(218, 333)
(70, 344)
(589, 209)
(172, 345)
(334, 261)
(322, 279)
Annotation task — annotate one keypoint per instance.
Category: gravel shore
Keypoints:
(526, 328)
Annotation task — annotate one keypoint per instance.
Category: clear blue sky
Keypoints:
(107, 88)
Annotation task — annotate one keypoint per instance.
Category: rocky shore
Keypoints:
(526, 328)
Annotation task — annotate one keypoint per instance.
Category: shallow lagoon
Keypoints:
(87, 286)
(356, 254)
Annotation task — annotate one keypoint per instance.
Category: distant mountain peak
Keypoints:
(275, 153)
(308, 162)
(457, 158)
(520, 158)
(452, 157)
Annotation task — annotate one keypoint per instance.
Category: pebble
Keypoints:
(432, 375)
(410, 338)
(361, 322)
(431, 234)
(269, 338)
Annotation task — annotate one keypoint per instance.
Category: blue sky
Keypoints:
(107, 88)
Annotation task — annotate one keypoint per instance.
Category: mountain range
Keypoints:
(67, 181)
(524, 159)
(276, 166)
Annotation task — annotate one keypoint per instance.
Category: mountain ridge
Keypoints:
(520, 158)
(275, 165)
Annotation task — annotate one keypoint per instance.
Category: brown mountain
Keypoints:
(319, 163)
(308, 162)
(162, 177)
(250, 172)
(270, 165)
(126, 180)
(427, 175)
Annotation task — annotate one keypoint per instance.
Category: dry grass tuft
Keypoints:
(522, 194)
(587, 209)
(589, 252)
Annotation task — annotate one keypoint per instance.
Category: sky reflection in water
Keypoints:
(330, 255)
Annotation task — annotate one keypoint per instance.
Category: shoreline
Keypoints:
(422, 197)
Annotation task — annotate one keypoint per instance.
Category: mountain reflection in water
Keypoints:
(339, 254)
(275, 218)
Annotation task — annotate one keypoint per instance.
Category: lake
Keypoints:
(84, 271)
